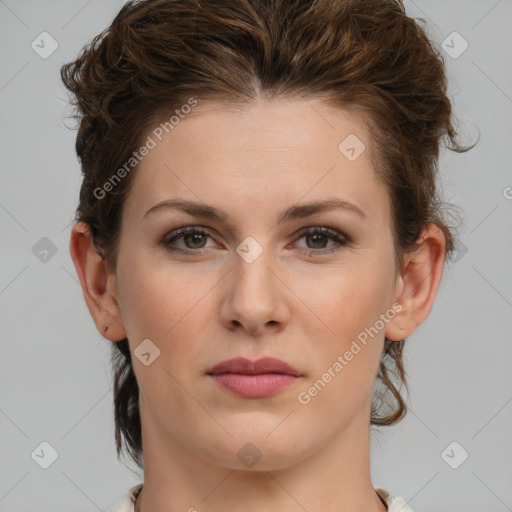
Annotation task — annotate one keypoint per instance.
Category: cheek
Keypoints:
(348, 351)
(163, 302)
(154, 304)
(345, 299)
(349, 302)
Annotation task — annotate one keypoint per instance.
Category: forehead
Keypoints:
(258, 156)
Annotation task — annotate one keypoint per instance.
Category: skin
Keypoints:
(306, 309)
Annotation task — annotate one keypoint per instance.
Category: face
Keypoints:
(252, 282)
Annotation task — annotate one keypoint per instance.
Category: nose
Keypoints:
(256, 298)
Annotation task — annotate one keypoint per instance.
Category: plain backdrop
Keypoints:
(452, 453)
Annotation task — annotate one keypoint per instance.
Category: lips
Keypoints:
(245, 366)
(262, 378)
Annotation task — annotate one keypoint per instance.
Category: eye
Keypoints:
(317, 237)
(193, 237)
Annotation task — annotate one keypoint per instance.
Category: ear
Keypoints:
(417, 283)
(98, 286)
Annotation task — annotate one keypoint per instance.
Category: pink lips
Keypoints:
(254, 379)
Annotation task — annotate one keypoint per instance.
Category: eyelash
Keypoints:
(339, 238)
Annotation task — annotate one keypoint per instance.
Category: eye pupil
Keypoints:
(316, 236)
(195, 238)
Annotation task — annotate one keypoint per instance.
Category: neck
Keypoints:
(333, 478)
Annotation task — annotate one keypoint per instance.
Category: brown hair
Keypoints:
(366, 55)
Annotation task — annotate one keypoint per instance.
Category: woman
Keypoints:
(296, 144)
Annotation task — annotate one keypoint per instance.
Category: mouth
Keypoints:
(254, 379)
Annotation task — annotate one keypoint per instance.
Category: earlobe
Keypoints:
(418, 283)
(98, 286)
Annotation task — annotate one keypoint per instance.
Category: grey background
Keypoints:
(55, 380)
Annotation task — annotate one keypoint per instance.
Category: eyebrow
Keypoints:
(294, 212)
